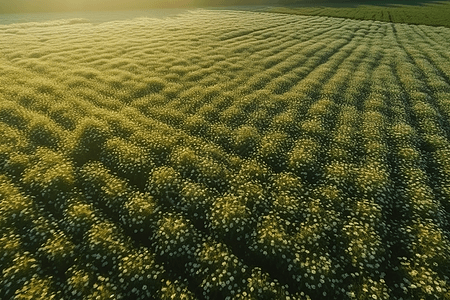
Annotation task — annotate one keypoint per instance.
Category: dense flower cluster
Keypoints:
(224, 155)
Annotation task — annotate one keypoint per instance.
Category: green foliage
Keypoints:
(313, 128)
(186, 161)
(232, 116)
(221, 135)
(230, 219)
(175, 290)
(36, 288)
(78, 218)
(176, 237)
(58, 251)
(140, 213)
(195, 202)
(259, 286)
(127, 160)
(79, 282)
(88, 140)
(165, 184)
(13, 115)
(15, 276)
(286, 121)
(253, 171)
(245, 140)
(12, 139)
(151, 85)
(273, 149)
(12, 160)
(372, 179)
(433, 14)
(196, 125)
(303, 157)
(52, 175)
(16, 209)
(139, 274)
(104, 245)
(340, 173)
(107, 191)
(156, 143)
(42, 132)
(221, 273)
(225, 155)
(65, 116)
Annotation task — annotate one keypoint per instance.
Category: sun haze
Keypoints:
(26, 6)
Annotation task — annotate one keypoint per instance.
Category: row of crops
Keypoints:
(431, 14)
(224, 155)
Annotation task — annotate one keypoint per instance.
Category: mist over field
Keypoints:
(222, 154)
(20, 6)
(27, 6)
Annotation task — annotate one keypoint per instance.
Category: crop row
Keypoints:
(431, 14)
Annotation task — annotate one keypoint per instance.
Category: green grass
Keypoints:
(432, 14)
(224, 155)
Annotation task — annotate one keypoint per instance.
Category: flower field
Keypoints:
(224, 155)
(433, 13)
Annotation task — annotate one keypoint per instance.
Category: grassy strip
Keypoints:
(435, 14)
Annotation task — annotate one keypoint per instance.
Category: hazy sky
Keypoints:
(13, 6)
(18, 6)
